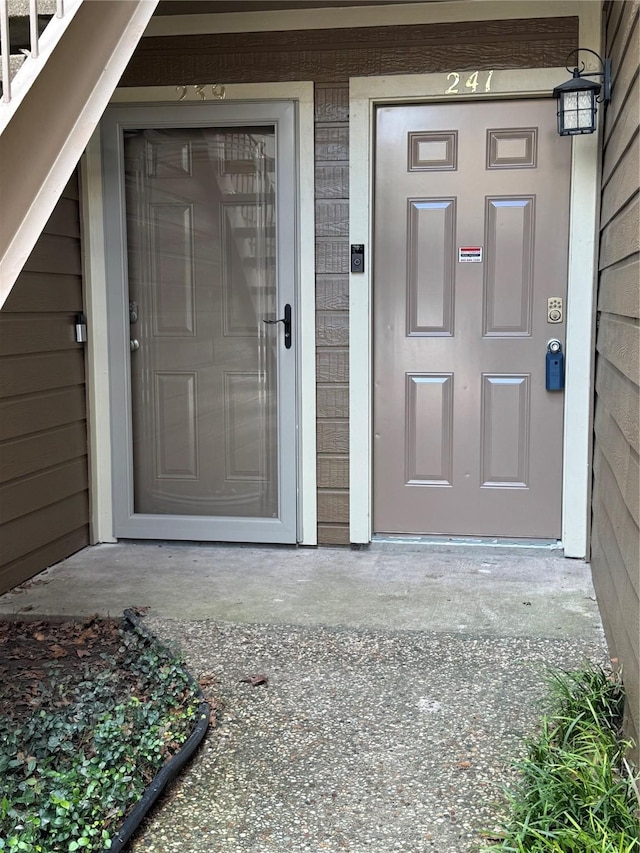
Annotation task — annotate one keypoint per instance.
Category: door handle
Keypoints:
(286, 322)
(554, 366)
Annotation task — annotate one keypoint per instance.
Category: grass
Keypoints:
(576, 792)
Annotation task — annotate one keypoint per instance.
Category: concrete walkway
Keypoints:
(401, 683)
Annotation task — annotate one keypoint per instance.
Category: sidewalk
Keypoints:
(401, 683)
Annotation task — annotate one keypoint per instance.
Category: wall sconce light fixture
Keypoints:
(577, 98)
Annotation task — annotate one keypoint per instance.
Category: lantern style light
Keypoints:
(577, 98)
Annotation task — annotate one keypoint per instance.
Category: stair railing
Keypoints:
(35, 38)
(5, 50)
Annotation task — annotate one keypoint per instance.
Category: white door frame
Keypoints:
(365, 94)
(98, 371)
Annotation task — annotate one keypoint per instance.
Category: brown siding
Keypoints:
(332, 316)
(616, 483)
(336, 54)
(329, 58)
(43, 437)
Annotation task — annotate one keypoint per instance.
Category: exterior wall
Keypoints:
(332, 55)
(616, 484)
(329, 57)
(332, 315)
(44, 506)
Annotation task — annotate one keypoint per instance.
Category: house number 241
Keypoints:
(473, 81)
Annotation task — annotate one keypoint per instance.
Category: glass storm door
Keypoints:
(211, 448)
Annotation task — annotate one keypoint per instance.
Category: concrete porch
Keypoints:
(485, 590)
(402, 681)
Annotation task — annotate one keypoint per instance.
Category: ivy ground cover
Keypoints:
(89, 712)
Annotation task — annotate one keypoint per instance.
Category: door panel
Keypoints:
(467, 441)
(508, 284)
(504, 443)
(430, 266)
(429, 412)
(209, 237)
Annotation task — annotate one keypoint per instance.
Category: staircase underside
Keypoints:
(42, 142)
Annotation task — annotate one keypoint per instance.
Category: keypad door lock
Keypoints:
(554, 309)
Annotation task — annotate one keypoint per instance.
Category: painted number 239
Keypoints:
(472, 82)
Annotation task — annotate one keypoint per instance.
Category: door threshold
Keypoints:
(467, 541)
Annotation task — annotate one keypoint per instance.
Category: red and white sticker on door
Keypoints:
(470, 254)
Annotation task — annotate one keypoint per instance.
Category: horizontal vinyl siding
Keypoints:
(44, 499)
(616, 470)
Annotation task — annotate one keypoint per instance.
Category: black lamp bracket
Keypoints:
(605, 97)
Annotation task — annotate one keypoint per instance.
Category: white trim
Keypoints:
(393, 14)
(584, 210)
(307, 326)
(365, 93)
(581, 329)
(301, 92)
(98, 409)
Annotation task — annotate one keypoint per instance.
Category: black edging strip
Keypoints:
(168, 771)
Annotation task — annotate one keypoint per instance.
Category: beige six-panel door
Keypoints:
(471, 238)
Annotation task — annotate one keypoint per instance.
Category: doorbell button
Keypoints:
(357, 257)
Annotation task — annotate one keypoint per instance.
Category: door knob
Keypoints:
(554, 366)
(286, 322)
(134, 345)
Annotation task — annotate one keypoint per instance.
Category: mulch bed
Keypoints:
(36, 655)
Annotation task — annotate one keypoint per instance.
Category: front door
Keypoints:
(208, 248)
(471, 238)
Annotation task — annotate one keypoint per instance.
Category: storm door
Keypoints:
(470, 280)
(208, 331)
